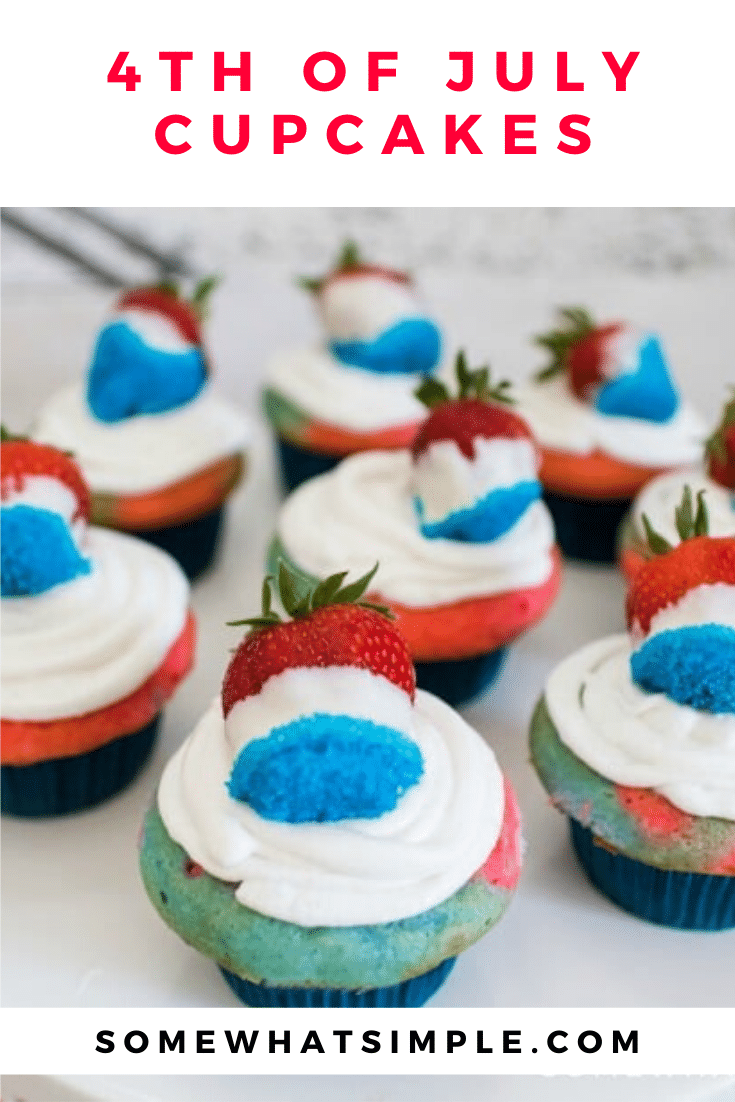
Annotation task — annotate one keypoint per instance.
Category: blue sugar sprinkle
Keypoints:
(412, 346)
(646, 393)
(323, 768)
(37, 551)
(128, 377)
(487, 519)
(691, 665)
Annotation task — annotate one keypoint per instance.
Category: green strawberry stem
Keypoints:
(579, 324)
(300, 599)
(716, 444)
(471, 384)
(689, 523)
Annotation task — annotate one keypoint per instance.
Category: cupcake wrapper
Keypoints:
(62, 785)
(459, 680)
(192, 544)
(299, 464)
(687, 900)
(586, 530)
(413, 992)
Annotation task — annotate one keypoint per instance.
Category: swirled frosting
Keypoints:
(352, 871)
(363, 511)
(92, 641)
(561, 421)
(659, 499)
(146, 452)
(642, 739)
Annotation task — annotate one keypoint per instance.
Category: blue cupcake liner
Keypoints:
(686, 900)
(192, 544)
(460, 680)
(413, 992)
(299, 464)
(586, 530)
(63, 785)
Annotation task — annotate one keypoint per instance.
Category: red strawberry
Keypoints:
(479, 410)
(581, 348)
(331, 627)
(22, 458)
(721, 449)
(350, 265)
(165, 300)
(663, 580)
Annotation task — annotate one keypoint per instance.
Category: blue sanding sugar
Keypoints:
(129, 377)
(411, 346)
(646, 393)
(37, 552)
(691, 665)
(323, 768)
(487, 519)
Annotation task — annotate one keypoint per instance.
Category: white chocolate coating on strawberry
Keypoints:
(353, 871)
(92, 641)
(559, 420)
(363, 512)
(361, 307)
(146, 452)
(659, 499)
(155, 330)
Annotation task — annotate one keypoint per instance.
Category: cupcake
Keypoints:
(355, 391)
(654, 508)
(466, 548)
(96, 635)
(159, 449)
(329, 835)
(608, 417)
(635, 742)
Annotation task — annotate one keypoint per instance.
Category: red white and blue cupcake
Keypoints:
(96, 635)
(328, 834)
(608, 417)
(635, 741)
(465, 545)
(159, 449)
(354, 392)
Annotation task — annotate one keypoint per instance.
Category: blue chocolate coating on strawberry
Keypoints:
(38, 551)
(693, 665)
(486, 519)
(324, 768)
(411, 346)
(646, 393)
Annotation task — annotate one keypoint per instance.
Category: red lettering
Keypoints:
(280, 138)
(456, 134)
(501, 69)
(243, 72)
(402, 123)
(340, 71)
(116, 75)
(620, 72)
(218, 134)
(465, 80)
(175, 57)
(333, 136)
(563, 84)
(374, 70)
(512, 134)
(581, 137)
(162, 139)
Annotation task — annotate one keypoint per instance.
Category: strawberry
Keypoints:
(478, 410)
(23, 459)
(581, 348)
(331, 626)
(349, 266)
(698, 560)
(164, 299)
(721, 448)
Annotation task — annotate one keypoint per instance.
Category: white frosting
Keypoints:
(560, 420)
(362, 512)
(705, 604)
(146, 452)
(92, 641)
(362, 307)
(642, 739)
(659, 499)
(44, 492)
(351, 397)
(154, 330)
(446, 480)
(353, 871)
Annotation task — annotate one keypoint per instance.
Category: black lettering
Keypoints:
(481, 1042)
(129, 1041)
(415, 1042)
(619, 1042)
(273, 1040)
(453, 1043)
(242, 1039)
(370, 1042)
(343, 1034)
(105, 1042)
(205, 1039)
(511, 1040)
(312, 1042)
(171, 1043)
(551, 1041)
